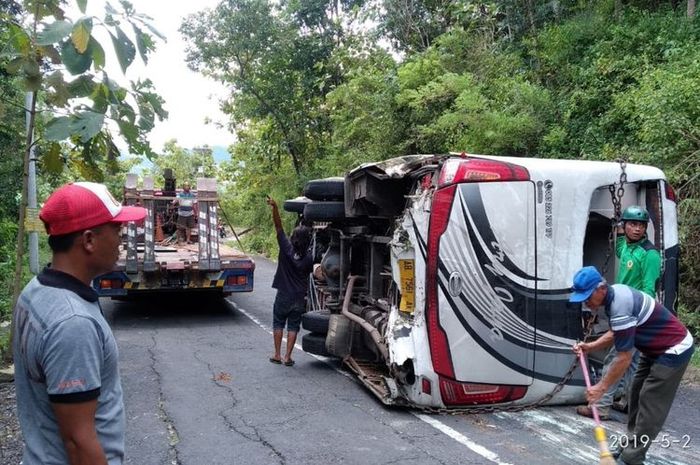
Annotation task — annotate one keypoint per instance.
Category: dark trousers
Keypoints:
(649, 399)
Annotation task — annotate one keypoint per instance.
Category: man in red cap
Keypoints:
(69, 396)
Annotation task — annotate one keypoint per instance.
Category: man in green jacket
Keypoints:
(640, 268)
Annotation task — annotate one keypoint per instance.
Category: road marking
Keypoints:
(459, 437)
(328, 361)
(437, 424)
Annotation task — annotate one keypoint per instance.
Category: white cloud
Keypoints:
(190, 98)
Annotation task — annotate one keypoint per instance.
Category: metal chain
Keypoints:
(616, 194)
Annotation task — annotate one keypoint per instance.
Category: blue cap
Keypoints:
(586, 281)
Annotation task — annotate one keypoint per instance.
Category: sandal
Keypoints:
(289, 363)
(275, 361)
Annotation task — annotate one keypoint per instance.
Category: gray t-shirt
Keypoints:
(64, 352)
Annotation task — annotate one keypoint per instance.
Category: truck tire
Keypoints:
(324, 211)
(295, 205)
(316, 321)
(325, 189)
(314, 344)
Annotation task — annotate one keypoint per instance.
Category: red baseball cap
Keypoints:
(84, 205)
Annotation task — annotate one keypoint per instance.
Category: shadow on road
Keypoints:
(171, 311)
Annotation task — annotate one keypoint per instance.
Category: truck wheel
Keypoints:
(316, 321)
(325, 189)
(324, 211)
(295, 205)
(314, 344)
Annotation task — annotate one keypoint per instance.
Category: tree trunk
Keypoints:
(17, 283)
(691, 8)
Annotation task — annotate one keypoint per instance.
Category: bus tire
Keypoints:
(316, 321)
(324, 211)
(325, 189)
(314, 344)
(295, 205)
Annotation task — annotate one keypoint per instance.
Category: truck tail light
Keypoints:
(439, 217)
(456, 393)
(456, 170)
(241, 280)
(111, 283)
(670, 193)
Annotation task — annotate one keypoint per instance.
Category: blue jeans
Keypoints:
(623, 385)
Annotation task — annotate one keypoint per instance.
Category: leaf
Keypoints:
(52, 160)
(155, 31)
(19, 39)
(80, 36)
(76, 63)
(124, 48)
(129, 131)
(59, 97)
(143, 43)
(58, 128)
(51, 52)
(82, 86)
(82, 4)
(98, 54)
(87, 124)
(54, 32)
(100, 98)
(32, 83)
(146, 118)
(14, 65)
(110, 9)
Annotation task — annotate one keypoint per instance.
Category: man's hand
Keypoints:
(581, 347)
(271, 202)
(594, 393)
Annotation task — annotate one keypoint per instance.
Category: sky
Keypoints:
(189, 97)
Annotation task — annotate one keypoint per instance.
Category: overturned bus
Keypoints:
(444, 279)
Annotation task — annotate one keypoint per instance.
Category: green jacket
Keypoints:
(640, 264)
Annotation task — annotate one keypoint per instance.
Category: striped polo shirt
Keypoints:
(637, 320)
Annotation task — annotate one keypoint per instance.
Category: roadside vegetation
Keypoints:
(320, 86)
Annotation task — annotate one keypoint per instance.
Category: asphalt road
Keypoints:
(199, 390)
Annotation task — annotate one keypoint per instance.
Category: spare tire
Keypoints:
(314, 344)
(324, 211)
(296, 205)
(325, 189)
(316, 321)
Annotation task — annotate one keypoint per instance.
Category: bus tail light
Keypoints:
(439, 217)
(457, 170)
(670, 193)
(456, 393)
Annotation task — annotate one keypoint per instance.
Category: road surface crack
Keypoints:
(173, 437)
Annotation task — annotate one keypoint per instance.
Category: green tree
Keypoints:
(277, 58)
(43, 45)
(186, 164)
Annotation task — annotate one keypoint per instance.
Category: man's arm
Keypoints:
(651, 271)
(76, 423)
(275, 215)
(617, 369)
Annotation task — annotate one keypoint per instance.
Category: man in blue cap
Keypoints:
(636, 321)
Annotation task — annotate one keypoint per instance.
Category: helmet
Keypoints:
(635, 213)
